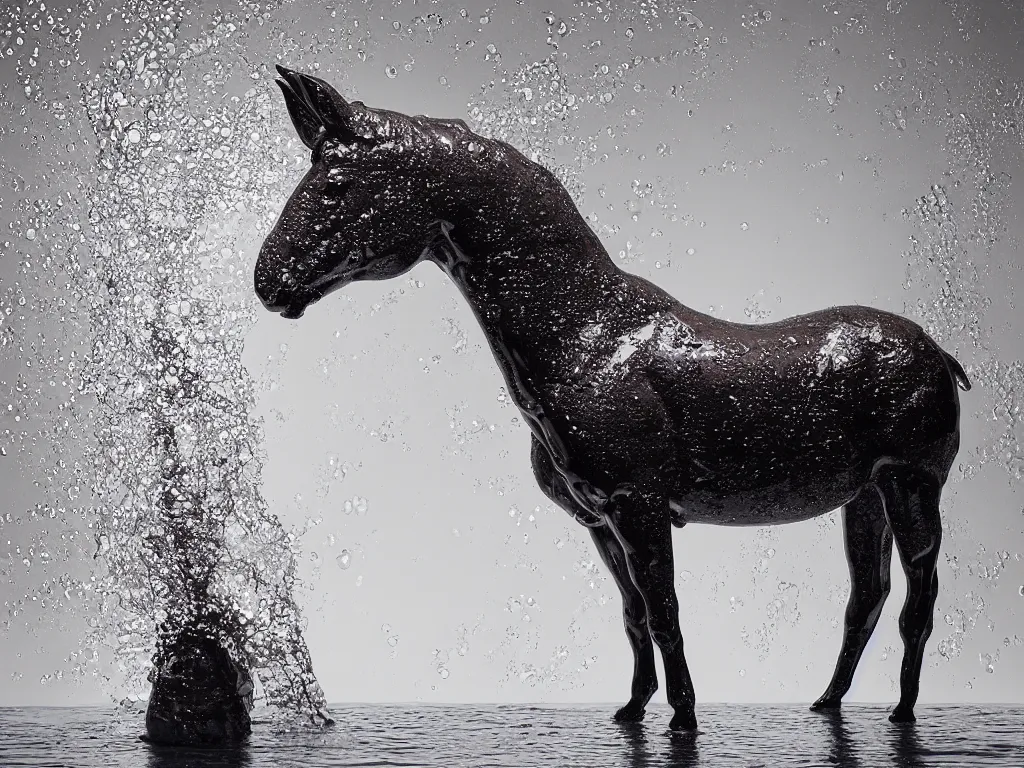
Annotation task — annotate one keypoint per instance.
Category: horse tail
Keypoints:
(957, 370)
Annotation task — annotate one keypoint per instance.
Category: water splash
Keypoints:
(156, 421)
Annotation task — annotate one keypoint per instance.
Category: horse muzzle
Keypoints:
(287, 303)
(290, 301)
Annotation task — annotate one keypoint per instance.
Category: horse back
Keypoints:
(828, 392)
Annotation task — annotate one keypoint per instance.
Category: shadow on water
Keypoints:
(234, 756)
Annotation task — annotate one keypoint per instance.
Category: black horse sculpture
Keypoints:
(645, 414)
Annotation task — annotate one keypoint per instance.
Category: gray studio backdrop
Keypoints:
(757, 160)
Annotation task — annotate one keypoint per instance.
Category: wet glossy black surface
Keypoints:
(644, 413)
(200, 695)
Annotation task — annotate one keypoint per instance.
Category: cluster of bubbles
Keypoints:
(545, 107)
(527, 110)
(957, 225)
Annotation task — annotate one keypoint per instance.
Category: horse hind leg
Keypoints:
(634, 614)
(911, 503)
(869, 553)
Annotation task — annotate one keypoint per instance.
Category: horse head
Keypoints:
(366, 209)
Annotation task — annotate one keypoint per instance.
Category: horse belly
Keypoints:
(771, 505)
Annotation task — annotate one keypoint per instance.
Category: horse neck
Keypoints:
(532, 290)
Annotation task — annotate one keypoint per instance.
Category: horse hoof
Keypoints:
(683, 721)
(630, 713)
(825, 703)
(902, 714)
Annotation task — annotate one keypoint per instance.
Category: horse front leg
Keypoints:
(639, 518)
(634, 614)
(634, 611)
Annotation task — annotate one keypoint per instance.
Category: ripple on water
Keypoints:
(500, 736)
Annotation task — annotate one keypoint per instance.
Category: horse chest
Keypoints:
(562, 466)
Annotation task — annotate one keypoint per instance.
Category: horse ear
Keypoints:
(336, 114)
(307, 123)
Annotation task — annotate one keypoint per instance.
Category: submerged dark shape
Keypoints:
(645, 413)
(201, 695)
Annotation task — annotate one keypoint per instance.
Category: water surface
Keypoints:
(518, 736)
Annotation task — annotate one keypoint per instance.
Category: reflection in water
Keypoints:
(907, 749)
(634, 738)
(647, 744)
(841, 749)
(683, 749)
(543, 737)
(235, 756)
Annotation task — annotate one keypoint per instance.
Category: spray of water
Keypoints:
(155, 301)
